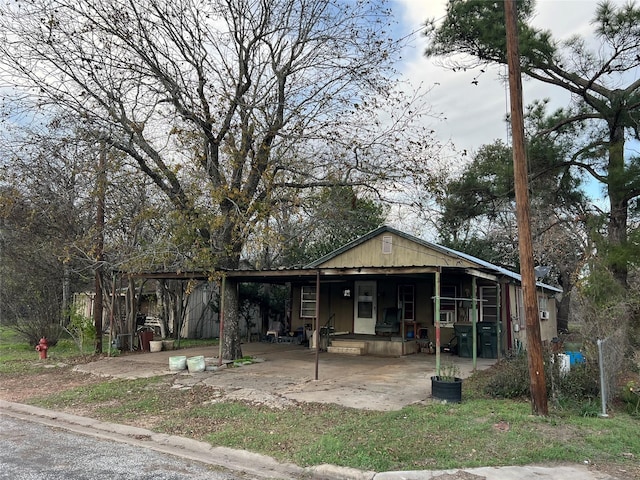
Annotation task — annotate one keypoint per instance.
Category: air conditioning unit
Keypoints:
(544, 315)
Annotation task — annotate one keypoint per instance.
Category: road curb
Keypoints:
(263, 466)
(234, 460)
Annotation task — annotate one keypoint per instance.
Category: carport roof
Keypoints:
(311, 270)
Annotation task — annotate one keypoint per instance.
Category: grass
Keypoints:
(477, 432)
(18, 357)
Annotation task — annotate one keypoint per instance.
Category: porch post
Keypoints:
(437, 320)
(499, 318)
(402, 329)
(474, 321)
(317, 333)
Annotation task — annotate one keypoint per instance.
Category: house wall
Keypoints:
(200, 320)
(517, 322)
(333, 304)
(401, 252)
(549, 328)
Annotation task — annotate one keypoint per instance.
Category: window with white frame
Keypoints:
(308, 301)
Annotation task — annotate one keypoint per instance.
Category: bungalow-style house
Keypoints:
(384, 292)
(390, 293)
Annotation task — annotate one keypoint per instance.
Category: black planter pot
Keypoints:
(448, 390)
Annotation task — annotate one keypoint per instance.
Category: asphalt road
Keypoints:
(30, 451)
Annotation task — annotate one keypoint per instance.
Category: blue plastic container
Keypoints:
(575, 357)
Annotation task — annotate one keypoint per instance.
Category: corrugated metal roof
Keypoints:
(495, 269)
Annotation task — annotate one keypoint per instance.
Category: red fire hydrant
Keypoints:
(42, 347)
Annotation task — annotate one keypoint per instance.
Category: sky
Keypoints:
(475, 113)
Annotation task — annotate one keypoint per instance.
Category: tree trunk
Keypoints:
(618, 205)
(66, 294)
(564, 309)
(161, 306)
(101, 185)
(132, 309)
(231, 348)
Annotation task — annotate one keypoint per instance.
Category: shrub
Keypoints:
(582, 382)
(510, 377)
(81, 329)
(33, 311)
(630, 395)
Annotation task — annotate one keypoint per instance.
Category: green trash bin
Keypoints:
(488, 333)
(464, 334)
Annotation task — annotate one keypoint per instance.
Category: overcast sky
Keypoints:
(475, 113)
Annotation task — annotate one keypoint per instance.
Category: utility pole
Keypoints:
(525, 245)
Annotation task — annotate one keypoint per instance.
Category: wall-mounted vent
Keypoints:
(387, 244)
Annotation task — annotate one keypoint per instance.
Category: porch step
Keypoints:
(348, 346)
(346, 350)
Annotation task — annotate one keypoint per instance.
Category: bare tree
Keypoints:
(224, 103)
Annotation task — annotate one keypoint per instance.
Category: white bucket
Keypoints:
(196, 364)
(155, 346)
(177, 363)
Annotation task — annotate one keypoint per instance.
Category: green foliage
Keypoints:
(510, 379)
(580, 384)
(81, 329)
(479, 212)
(604, 105)
(449, 372)
(477, 27)
(590, 408)
(337, 215)
(483, 190)
(17, 356)
(630, 396)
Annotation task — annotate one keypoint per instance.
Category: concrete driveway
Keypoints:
(287, 371)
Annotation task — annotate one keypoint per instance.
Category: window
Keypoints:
(406, 301)
(488, 304)
(448, 295)
(519, 319)
(308, 301)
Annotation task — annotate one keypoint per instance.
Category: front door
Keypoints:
(365, 308)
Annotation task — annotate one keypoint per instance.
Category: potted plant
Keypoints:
(447, 385)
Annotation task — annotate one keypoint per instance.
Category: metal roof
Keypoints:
(287, 274)
(489, 267)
